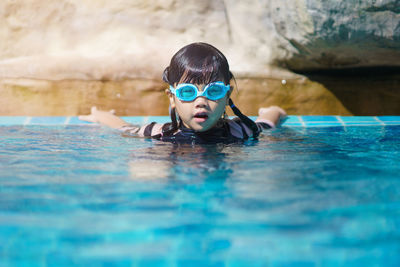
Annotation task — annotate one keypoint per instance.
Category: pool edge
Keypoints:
(290, 121)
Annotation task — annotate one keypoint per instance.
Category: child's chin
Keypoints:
(199, 127)
(200, 120)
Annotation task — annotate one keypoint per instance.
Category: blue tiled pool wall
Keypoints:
(290, 121)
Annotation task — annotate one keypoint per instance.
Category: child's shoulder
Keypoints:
(239, 129)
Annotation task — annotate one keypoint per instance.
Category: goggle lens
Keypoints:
(215, 91)
(186, 92)
(189, 92)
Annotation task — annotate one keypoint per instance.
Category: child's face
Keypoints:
(200, 114)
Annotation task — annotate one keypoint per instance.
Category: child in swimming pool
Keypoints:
(200, 85)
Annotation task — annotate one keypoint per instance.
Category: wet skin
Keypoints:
(200, 114)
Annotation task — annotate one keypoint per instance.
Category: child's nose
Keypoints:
(200, 102)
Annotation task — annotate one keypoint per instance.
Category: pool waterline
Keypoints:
(290, 121)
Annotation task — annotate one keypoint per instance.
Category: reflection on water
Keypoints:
(167, 160)
(86, 194)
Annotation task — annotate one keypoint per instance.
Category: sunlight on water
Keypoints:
(80, 195)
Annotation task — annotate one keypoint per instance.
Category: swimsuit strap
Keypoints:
(148, 129)
(168, 129)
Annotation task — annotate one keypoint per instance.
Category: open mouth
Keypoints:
(201, 116)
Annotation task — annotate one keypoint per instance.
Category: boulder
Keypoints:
(102, 40)
(323, 35)
(112, 40)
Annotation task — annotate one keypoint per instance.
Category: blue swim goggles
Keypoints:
(189, 92)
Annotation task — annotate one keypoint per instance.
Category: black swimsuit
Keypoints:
(220, 133)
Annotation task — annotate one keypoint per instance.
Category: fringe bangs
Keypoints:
(204, 72)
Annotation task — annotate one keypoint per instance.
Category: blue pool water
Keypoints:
(84, 195)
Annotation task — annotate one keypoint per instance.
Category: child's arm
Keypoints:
(104, 117)
(267, 118)
(272, 115)
(109, 119)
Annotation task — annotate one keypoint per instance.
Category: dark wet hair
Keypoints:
(199, 63)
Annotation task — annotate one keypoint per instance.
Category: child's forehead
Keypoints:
(201, 75)
(199, 81)
(197, 84)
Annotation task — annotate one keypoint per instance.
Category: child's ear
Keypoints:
(172, 101)
(171, 98)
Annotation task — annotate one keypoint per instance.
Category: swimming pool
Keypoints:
(301, 195)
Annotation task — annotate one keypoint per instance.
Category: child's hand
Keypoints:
(272, 109)
(94, 115)
(273, 114)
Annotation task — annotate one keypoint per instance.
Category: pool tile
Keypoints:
(358, 119)
(392, 123)
(12, 120)
(389, 118)
(292, 119)
(285, 124)
(363, 123)
(319, 118)
(48, 120)
(323, 124)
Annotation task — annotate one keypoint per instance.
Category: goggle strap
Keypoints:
(246, 120)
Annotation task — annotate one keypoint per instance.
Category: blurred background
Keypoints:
(307, 56)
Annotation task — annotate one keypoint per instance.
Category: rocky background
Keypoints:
(308, 56)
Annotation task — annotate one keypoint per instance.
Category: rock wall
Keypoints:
(115, 42)
(102, 40)
(337, 34)
(317, 95)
